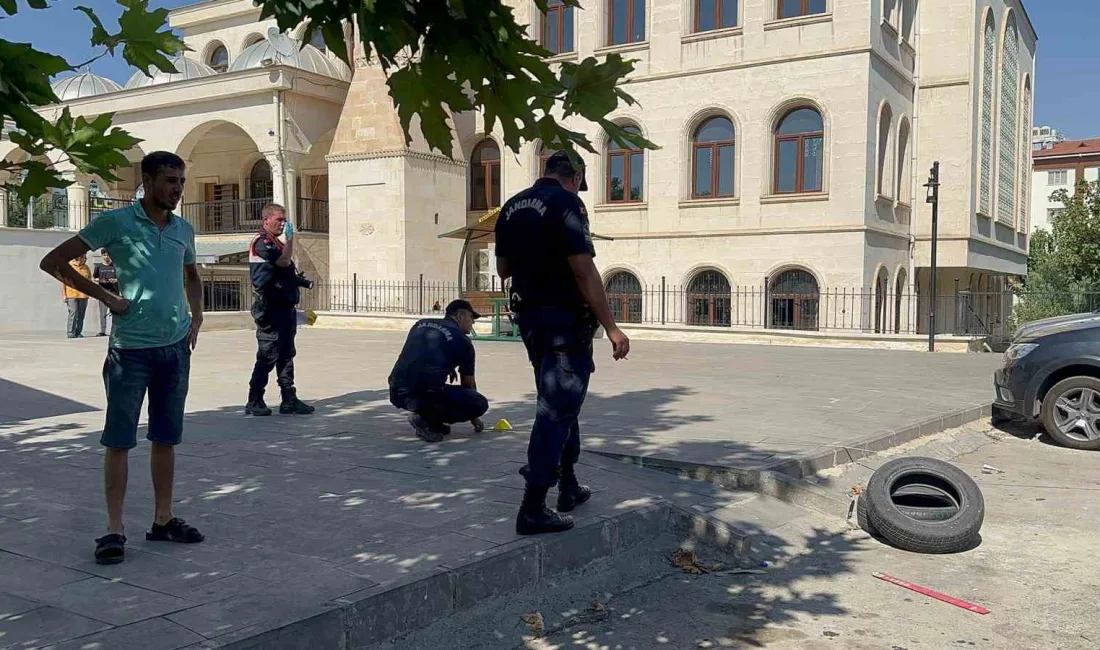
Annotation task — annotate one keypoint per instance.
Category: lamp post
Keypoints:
(933, 197)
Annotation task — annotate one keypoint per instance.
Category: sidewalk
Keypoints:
(326, 521)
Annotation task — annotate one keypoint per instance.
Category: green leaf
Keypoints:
(146, 41)
(457, 55)
(100, 35)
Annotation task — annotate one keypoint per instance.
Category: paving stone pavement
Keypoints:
(304, 511)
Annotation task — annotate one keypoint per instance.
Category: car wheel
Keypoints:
(1071, 413)
(907, 485)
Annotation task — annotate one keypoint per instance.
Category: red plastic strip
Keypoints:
(951, 600)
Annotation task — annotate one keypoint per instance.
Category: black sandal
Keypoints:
(176, 530)
(110, 549)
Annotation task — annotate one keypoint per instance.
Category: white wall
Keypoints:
(31, 299)
(1041, 203)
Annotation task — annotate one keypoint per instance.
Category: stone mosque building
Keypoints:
(795, 140)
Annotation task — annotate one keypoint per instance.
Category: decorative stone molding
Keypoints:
(393, 153)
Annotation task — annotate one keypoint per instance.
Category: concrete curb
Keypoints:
(784, 479)
(378, 614)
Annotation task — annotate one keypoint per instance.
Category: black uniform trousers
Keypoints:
(275, 331)
(559, 345)
(444, 405)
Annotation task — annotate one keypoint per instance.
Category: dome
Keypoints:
(82, 85)
(304, 57)
(187, 69)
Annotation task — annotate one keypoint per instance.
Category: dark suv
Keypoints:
(1051, 372)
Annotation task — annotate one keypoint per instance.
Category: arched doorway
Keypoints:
(882, 286)
(260, 187)
(899, 292)
(624, 295)
(708, 299)
(794, 298)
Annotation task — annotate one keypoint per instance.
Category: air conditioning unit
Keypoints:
(483, 278)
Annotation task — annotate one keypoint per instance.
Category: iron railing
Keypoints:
(312, 215)
(48, 211)
(224, 217)
(235, 293)
(991, 315)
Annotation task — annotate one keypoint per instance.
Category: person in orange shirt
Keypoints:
(77, 301)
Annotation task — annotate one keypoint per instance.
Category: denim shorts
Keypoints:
(128, 374)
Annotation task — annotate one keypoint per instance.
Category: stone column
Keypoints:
(3, 207)
(78, 205)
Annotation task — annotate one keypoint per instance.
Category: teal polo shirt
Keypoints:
(149, 264)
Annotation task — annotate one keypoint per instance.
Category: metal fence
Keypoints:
(987, 315)
(235, 293)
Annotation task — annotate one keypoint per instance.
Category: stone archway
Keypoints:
(794, 299)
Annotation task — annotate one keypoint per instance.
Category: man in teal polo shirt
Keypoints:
(157, 317)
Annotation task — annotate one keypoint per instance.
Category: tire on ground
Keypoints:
(1046, 415)
(951, 535)
(919, 513)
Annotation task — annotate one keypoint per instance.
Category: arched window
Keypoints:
(260, 184)
(795, 8)
(557, 27)
(624, 296)
(252, 39)
(1007, 150)
(799, 152)
(899, 292)
(885, 168)
(713, 159)
(715, 14)
(625, 171)
(485, 176)
(882, 287)
(625, 21)
(989, 55)
(905, 184)
(219, 58)
(708, 299)
(794, 298)
(1025, 157)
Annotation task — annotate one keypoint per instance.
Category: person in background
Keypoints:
(434, 349)
(277, 286)
(104, 275)
(76, 300)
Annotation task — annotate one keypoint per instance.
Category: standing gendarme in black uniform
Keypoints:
(544, 245)
(277, 287)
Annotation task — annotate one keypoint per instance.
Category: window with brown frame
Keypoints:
(625, 171)
(795, 8)
(219, 59)
(713, 151)
(625, 21)
(485, 176)
(544, 155)
(799, 152)
(715, 14)
(557, 27)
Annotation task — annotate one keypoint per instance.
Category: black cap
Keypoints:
(564, 162)
(459, 305)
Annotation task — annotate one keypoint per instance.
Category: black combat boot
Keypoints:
(535, 518)
(291, 405)
(256, 406)
(571, 493)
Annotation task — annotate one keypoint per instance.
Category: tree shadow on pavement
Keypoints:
(334, 503)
